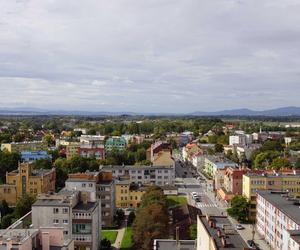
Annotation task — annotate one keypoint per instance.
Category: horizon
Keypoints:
(145, 57)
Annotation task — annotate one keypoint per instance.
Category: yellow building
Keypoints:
(27, 180)
(24, 146)
(283, 181)
(72, 149)
(128, 195)
(163, 158)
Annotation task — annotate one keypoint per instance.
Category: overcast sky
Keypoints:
(149, 55)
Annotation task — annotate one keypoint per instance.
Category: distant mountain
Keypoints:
(285, 111)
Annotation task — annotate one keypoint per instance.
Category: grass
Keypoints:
(173, 201)
(111, 235)
(127, 239)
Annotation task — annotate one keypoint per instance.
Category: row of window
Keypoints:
(56, 221)
(56, 210)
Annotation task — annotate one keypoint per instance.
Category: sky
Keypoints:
(150, 55)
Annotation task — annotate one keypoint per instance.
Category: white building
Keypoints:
(240, 139)
(278, 219)
(158, 175)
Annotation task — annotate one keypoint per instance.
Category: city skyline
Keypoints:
(149, 56)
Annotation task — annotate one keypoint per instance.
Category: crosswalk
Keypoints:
(199, 204)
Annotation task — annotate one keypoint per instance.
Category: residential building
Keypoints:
(245, 151)
(189, 150)
(169, 244)
(233, 183)
(17, 147)
(269, 180)
(240, 139)
(128, 195)
(278, 219)
(92, 146)
(79, 217)
(197, 160)
(115, 142)
(216, 233)
(99, 186)
(158, 175)
(30, 156)
(27, 239)
(185, 138)
(72, 149)
(156, 148)
(136, 139)
(27, 180)
(213, 163)
(82, 130)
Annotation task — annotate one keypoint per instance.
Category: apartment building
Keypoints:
(128, 195)
(116, 142)
(30, 156)
(25, 179)
(158, 175)
(27, 239)
(240, 138)
(269, 180)
(100, 187)
(92, 146)
(72, 211)
(72, 149)
(213, 163)
(160, 154)
(278, 219)
(216, 232)
(17, 147)
(232, 184)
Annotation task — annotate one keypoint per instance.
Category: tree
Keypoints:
(24, 204)
(152, 219)
(4, 208)
(193, 231)
(42, 163)
(48, 140)
(265, 158)
(297, 165)
(119, 217)
(219, 148)
(131, 218)
(279, 163)
(7, 220)
(239, 208)
(105, 244)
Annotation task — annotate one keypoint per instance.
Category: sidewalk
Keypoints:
(119, 238)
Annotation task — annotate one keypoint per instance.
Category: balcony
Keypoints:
(82, 237)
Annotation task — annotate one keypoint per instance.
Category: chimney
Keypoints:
(45, 241)
(9, 244)
(84, 198)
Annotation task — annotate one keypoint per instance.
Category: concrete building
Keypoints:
(72, 211)
(158, 175)
(185, 138)
(278, 219)
(27, 180)
(115, 142)
(17, 147)
(128, 195)
(72, 149)
(245, 151)
(269, 180)
(27, 239)
(216, 232)
(92, 146)
(100, 187)
(233, 183)
(30, 156)
(240, 139)
(213, 163)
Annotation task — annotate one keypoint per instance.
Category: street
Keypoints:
(208, 204)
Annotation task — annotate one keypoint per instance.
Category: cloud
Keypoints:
(173, 56)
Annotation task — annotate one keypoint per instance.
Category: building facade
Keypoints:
(92, 146)
(116, 142)
(17, 147)
(30, 156)
(72, 149)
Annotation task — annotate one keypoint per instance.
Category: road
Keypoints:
(209, 204)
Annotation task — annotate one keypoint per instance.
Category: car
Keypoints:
(239, 227)
(251, 243)
(198, 199)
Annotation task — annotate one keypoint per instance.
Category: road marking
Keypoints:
(206, 205)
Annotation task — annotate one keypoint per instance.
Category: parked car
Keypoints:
(239, 227)
(252, 244)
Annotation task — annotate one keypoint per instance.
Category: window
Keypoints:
(66, 232)
(55, 210)
(91, 185)
(65, 221)
(83, 185)
(55, 221)
(65, 210)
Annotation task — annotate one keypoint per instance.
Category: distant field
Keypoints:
(176, 200)
(111, 235)
(127, 239)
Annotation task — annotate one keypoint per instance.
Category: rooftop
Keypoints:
(110, 167)
(273, 174)
(87, 207)
(280, 200)
(222, 225)
(167, 244)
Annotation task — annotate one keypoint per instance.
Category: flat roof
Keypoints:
(233, 238)
(136, 167)
(87, 207)
(167, 244)
(287, 205)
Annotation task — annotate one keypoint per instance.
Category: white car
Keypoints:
(239, 227)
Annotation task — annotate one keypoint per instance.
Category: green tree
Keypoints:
(219, 148)
(42, 163)
(48, 140)
(23, 205)
(119, 217)
(239, 208)
(193, 231)
(7, 220)
(105, 244)
(131, 218)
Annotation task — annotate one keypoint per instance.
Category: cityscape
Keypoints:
(149, 125)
